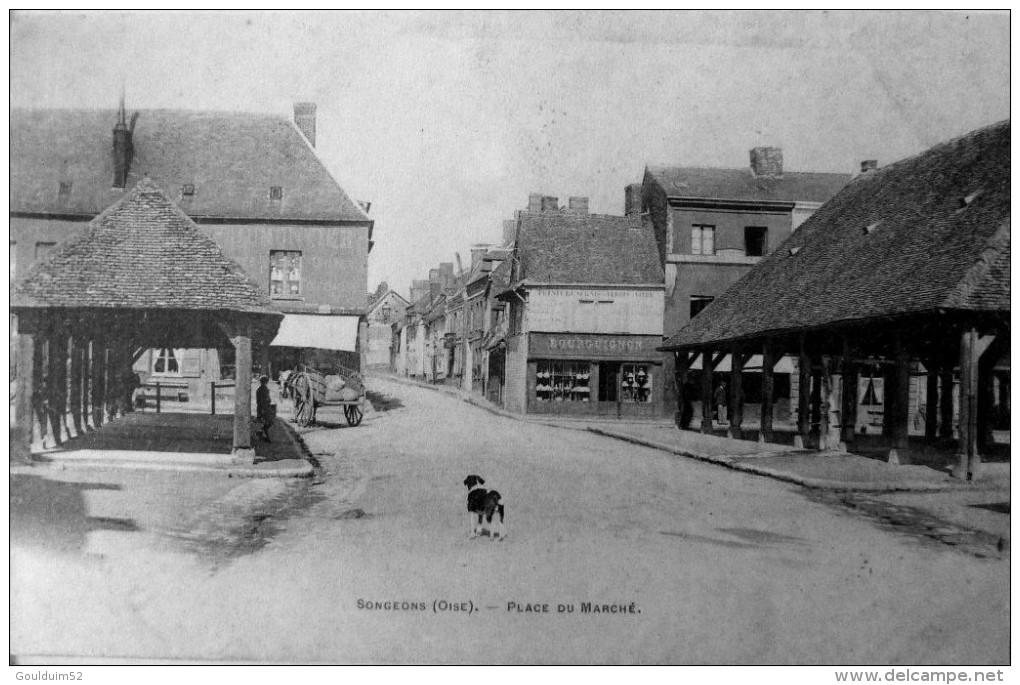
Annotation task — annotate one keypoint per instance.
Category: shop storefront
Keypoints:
(588, 373)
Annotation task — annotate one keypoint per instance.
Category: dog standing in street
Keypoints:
(484, 504)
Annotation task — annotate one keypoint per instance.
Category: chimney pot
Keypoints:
(578, 204)
(550, 203)
(767, 162)
(477, 252)
(123, 149)
(535, 202)
(869, 165)
(304, 118)
(632, 200)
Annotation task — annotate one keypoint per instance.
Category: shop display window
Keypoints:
(563, 381)
(636, 383)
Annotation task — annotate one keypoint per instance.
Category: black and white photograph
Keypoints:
(502, 338)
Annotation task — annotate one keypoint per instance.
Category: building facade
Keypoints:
(383, 312)
(583, 316)
(713, 225)
(251, 182)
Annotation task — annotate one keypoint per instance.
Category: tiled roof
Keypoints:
(231, 160)
(565, 247)
(741, 184)
(925, 234)
(141, 253)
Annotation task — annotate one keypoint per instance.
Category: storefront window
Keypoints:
(563, 381)
(636, 383)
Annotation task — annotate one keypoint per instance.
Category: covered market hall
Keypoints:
(903, 275)
(140, 275)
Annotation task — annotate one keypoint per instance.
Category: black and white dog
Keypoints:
(485, 504)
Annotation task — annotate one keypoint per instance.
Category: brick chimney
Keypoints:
(869, 165)
(123, 149)
(550, 203)
(632, 202)
(578, 205)
(535, 202)
(304, 117)
(478, 251)
(767, 162)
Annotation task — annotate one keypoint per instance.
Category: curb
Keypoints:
(804, 481)
(306, 471)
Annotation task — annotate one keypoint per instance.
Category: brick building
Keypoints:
(712, 225)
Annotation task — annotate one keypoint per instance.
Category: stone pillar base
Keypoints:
(242, 455)
(798, 442)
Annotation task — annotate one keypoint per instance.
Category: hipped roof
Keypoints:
(143, 252)
(925, 234)
(742, 184)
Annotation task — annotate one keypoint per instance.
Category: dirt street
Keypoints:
(615, 554)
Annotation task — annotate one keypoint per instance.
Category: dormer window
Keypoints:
(188, 189)
(276, 193)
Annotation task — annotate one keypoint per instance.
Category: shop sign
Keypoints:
(593, 346)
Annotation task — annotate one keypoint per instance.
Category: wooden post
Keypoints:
(946, 411)
(159, 397)
(241, 338)
(848, 397)
(114, 376)
(900, 394)
(972, 346)
(56, 380)
(826, 440)
(816, 393)
(706, 391)
(682, 361)
(76, 383)
(98, 381)
(803, 396)
(21, 438)
(768, 364)
(736, 417)
(39, 380)
(931, 401)
(212, 397)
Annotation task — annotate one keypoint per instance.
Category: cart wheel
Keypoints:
(353, 414)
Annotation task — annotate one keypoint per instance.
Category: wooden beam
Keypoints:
(768, 365)
(803, 396)
(684, 406)
(826, 440)
(706, 391)
(56, 380)
(240, 336)
(946, 411)
(21, 435)
(76, 384)
(736, 417)
(849, 381)
(901, 403)
(931, 400)
(972, 346)
(98, 381)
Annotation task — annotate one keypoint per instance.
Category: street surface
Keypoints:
(686, 562)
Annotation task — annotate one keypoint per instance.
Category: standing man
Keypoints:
(264, 407)
(719, 399)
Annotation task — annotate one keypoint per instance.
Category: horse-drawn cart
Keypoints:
(312, 388)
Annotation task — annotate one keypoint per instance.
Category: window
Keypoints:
(387, 311)
(562, 381)
(43, 249)
(188, 190)
(276, 193)
(756, 241)
(64, 191)
(702, 239)
(699, 302)
(285, 273)
(166, 362)
(636, 383)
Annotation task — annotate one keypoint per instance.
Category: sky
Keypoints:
(445, 121)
